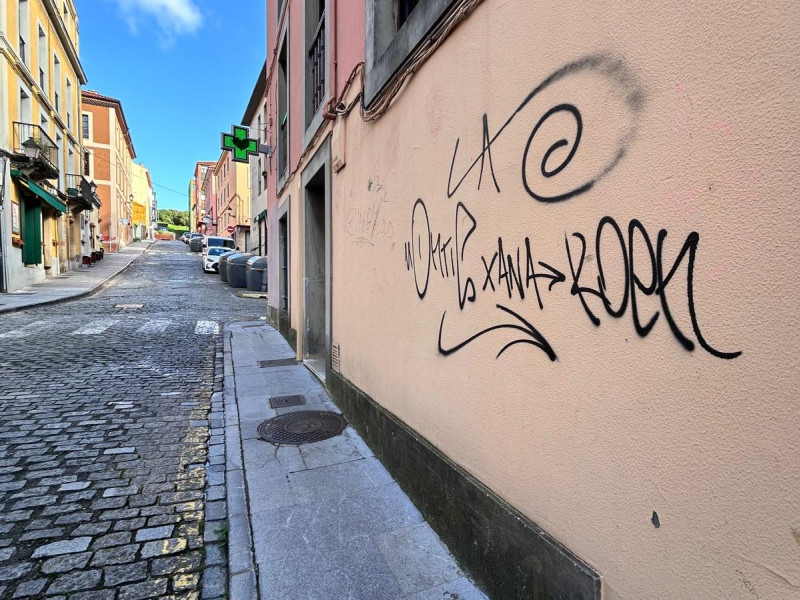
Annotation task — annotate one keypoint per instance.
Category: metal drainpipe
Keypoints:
(3, 278)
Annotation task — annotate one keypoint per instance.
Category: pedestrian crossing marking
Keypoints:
(95, 328)
(154, 326)
(99, 326)
(206, 328)
(27, 330)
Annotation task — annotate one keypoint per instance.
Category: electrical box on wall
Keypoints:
(337, 146)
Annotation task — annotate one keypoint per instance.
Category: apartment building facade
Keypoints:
(232, 184)
(255, 118)
(108, 162)
(45, 202)
(199, 219)
(209, 210)
(565, 225)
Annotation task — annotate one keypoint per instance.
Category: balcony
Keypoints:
(81, 193)
(35, 148)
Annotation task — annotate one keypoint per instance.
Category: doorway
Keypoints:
(316, 264)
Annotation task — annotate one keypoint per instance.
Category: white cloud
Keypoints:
(174, 17)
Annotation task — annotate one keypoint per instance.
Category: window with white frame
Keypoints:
(57, 83)
(43, 71)
(24, 25)
(68, 100)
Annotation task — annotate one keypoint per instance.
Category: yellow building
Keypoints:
(232, 183)
(142, 205)
(45, 201)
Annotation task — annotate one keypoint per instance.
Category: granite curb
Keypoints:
(242, 580)
(33, 303)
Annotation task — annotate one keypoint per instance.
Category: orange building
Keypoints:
(108, 159)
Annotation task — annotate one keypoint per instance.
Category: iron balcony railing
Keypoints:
(27, 133)
(316, 58)
(78, 185)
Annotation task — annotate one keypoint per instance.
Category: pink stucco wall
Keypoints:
(689, 138)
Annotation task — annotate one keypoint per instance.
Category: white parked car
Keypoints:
(211, 258)
(217, 241)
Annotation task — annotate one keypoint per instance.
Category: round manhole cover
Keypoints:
(302, 427)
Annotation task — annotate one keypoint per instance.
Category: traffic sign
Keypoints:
(231, 228)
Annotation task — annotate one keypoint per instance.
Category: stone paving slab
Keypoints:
(112, 460)
(326, 520)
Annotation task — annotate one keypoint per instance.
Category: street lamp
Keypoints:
(31, 148)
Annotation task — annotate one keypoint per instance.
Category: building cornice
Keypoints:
(66, 41)
(95, 99)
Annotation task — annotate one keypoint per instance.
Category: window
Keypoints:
(87, 164)
(24, 106)
(60, 161)
(283, 111)
(56, 83)
(85, 125)
(394, 29)
(42, 60)
(68, 100)
(316, 63)
(404, 9)
(23, 22)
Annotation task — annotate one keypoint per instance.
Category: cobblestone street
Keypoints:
(107, 409)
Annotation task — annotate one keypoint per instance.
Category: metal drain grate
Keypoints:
(302, 427)
(284, 401)
(281, 362)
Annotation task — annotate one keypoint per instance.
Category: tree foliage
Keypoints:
(174, 217)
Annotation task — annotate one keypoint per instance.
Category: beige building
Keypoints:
(108, 161)
(45, 202)
(541, 272)
(232, 185)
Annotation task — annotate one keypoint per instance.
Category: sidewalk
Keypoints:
(73, 284)
(322, 520)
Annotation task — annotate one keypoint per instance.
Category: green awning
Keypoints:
(40, 191)
(260, 216)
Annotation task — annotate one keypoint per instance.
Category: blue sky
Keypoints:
(183, 70)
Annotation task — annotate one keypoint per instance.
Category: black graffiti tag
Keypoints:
(619, 77)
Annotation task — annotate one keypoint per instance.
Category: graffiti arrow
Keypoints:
(533, 337)
(556, 277)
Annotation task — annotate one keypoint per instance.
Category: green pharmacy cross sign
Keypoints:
(238, 143)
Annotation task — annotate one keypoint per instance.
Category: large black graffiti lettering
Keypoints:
(630, 265)
(654, 263)
(603, 65)
(644, 273)
(424, 253)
